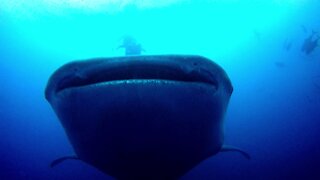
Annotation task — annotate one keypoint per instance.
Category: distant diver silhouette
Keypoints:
(287, 44)
(131, 46)
(310, 43)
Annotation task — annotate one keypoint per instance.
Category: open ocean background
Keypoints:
(274, 112)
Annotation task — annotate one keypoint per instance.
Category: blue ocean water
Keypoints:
(273, 113)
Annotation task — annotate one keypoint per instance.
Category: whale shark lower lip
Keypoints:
(139, 82)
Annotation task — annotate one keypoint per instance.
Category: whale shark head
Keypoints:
(142, 117)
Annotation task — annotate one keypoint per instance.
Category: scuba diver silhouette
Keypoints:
(310, 43)
(131, 46)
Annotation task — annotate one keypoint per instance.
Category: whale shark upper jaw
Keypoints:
(134, 69)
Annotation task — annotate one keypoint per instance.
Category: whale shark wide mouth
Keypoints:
(132, 70)
(136, 74)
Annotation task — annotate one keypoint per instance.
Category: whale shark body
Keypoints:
(142, 117)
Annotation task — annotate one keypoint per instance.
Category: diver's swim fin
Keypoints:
(60, 160)
(227, 148)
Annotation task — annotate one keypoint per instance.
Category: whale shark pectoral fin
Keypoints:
(62, 159)
(227, 148)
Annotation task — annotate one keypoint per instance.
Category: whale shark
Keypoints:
(142, 117)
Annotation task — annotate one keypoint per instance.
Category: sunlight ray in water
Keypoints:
(94, 28)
